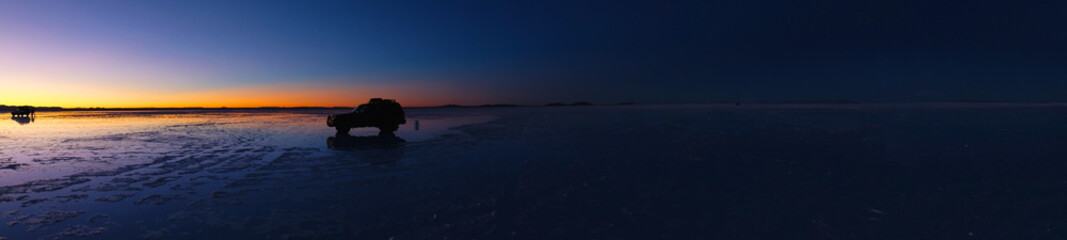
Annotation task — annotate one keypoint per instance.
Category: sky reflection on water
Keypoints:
(62, 143)
(64, 165)
(598, 172)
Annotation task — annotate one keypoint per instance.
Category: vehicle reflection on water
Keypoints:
(24, 119)
(382, 148)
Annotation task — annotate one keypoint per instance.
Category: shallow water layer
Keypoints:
(606, 172)
(60, 165)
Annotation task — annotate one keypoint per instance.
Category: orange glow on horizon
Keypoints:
(278, 95)
(113, 76)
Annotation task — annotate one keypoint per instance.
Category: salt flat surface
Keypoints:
(627, 172)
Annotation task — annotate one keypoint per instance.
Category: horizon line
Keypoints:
(554, 104)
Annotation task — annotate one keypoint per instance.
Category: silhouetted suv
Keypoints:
(23, 111)
(384, 114)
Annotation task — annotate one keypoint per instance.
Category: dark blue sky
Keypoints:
(545, 51)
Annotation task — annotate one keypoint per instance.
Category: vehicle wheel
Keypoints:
(343, 129)
(389, 128)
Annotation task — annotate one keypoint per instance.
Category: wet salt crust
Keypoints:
(136, 174)
(699, 171)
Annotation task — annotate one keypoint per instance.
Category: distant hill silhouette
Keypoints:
(6, 108)
(557, 104)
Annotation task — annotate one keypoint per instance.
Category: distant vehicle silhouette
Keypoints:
(384, 114)
(23, 111)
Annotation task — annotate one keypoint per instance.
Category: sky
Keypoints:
(428, 53)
